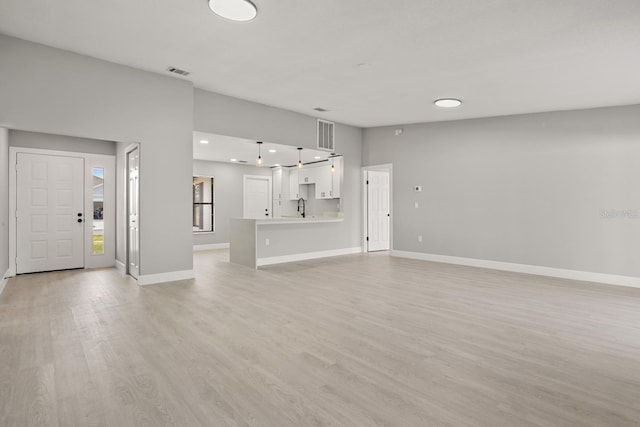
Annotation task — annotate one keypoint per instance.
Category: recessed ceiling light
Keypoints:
(317, 157)
(234, 160)
(204, 141)
(235, 10)
(271, 150)
(448, 102)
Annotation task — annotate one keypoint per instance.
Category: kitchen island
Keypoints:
(265, 241)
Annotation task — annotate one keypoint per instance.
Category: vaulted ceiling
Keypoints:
(368, 62)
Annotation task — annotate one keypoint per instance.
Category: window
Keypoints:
(98, 211)
(203, 204)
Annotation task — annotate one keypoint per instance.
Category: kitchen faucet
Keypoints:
(301, 199)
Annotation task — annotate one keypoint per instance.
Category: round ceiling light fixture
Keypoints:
(448, 102)
(235, 10)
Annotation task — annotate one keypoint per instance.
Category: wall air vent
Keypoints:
(326, 135)
(178, 71)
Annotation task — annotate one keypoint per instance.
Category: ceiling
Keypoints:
(369, 62)
(220, 148)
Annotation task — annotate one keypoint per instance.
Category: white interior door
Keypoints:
(257, 196)
(133, 233)
(49, 212)
(378, 213)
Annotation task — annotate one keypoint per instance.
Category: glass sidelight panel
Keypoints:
(98, 211)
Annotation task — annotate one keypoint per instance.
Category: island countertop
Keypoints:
(294, 220)
(263, 241)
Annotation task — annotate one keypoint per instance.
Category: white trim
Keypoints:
(171, 276)
(120, 266)
(209, 246)
(4, 280)
(585, 276)
(306, 256)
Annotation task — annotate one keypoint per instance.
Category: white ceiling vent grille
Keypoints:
(326, 135)
(178, 71)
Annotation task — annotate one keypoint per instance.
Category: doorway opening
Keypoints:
(133, 205)
(64, 204)
(257, 196)
(377, 208)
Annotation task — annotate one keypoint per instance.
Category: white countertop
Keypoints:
(294, 220)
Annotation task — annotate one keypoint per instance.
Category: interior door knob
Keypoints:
(79, 219)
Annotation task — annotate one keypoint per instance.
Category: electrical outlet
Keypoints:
(420, 239)
(266, 242)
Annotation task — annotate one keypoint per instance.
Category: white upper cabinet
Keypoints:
(307, 175)
(328, 180)
(297, 191)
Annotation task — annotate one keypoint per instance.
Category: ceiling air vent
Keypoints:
(178, 71)
(321, 110)
(326, 135)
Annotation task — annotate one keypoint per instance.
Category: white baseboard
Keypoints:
(120, 266)
(171, 276)
(306, 256)
(210, 246)
(4, 279)
(585, 276)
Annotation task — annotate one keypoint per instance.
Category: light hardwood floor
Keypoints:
(362, 340)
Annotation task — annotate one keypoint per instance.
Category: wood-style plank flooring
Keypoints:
(362, 340)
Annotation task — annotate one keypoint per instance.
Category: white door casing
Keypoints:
(133, 224)
(378, 210)
(49, 212)
(257, 196)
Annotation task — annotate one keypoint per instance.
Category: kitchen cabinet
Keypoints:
(307, 175)
(281, 184)
(328, 181)
(297, 191)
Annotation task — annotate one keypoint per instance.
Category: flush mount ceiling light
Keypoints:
(271, 150)
(299, 157)
(204, 141)
(259, 159)
(235, 10)
(448, 102)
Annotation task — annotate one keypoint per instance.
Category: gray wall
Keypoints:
(228, 188)
(59, 142)
(224, 115)
(4, 201)
(54, 91)
(525, 189)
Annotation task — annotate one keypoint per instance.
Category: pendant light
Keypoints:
(259, 159)
(333, 166)
(299, 157)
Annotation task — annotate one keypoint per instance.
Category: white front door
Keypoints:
(257, 196)
(133, 198)
(378, 214)
(49, 212)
